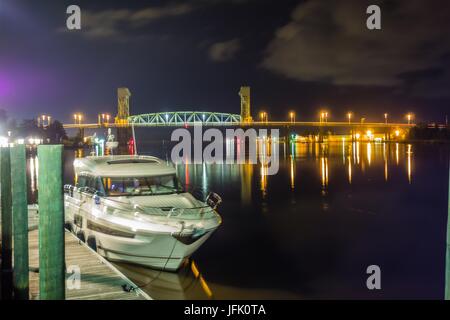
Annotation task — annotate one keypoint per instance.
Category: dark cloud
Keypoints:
(119, 23)
(111, 23)
(327, 41)
(224, 51)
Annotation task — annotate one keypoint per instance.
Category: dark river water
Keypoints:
(312, 230)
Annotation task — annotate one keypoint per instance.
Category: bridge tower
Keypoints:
(124, 133)
(244, 93)
(123, 104)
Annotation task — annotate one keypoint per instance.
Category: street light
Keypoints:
(323, 116)
(292, 116)
(41, 120)
(349, 117)
(409, 117)
(263, 116)
(385, 118)
(78, 117)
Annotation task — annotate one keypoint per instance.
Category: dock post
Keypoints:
(6, 212)
(447, 255)
(20, 222)
(51, 223)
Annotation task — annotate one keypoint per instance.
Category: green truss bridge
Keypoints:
(183, 118)
(167, 119)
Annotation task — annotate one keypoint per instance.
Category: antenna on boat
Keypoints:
(111, 144)
(134, 139)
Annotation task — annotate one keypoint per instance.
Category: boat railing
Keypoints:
(167, 212)
(213, 200)
(173, 212)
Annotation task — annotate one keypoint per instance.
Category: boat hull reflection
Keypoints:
(186, 283)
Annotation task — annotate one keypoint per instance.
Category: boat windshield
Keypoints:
(141, 186)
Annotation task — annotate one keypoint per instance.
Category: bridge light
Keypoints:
(385, 118)
(323, 116)
(263, 116)
(292, 116)
(409, 116)
(349, 116)
(78, 117)
(357, 135)
(397, 133)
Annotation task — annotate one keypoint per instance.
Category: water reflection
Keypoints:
(369, 153)
(292, 172)
(409, 153)
(396, 153)
(386, 175)
(187, 283)
(246, 183)
(33, 167)
(357, 160)
(324, 171)
(356, 182)
(349, 169)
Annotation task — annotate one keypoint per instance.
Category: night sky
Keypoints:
(194, 55)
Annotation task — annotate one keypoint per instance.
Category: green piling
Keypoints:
(6, 212)
(51, 223)
(20, 222)
(447, 256)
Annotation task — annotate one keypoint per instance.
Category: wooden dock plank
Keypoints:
(99, 279)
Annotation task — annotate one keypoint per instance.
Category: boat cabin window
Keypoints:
(94, 183)
(136, 186)
(82, 181)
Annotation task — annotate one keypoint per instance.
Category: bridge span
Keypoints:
(150, 121)
(124, 120)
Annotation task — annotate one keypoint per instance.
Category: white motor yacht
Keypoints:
(133, 209)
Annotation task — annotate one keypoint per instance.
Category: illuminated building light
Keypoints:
(3, 141)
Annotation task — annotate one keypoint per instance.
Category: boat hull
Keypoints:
(159, 251)
(161, 241)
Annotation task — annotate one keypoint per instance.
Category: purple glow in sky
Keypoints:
(5, 86)
(20, 85)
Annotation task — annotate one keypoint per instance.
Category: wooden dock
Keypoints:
(100, 280)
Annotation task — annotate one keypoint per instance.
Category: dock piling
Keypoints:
(51, 223)
(6, 213)
(447, 255)
(20, 222)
